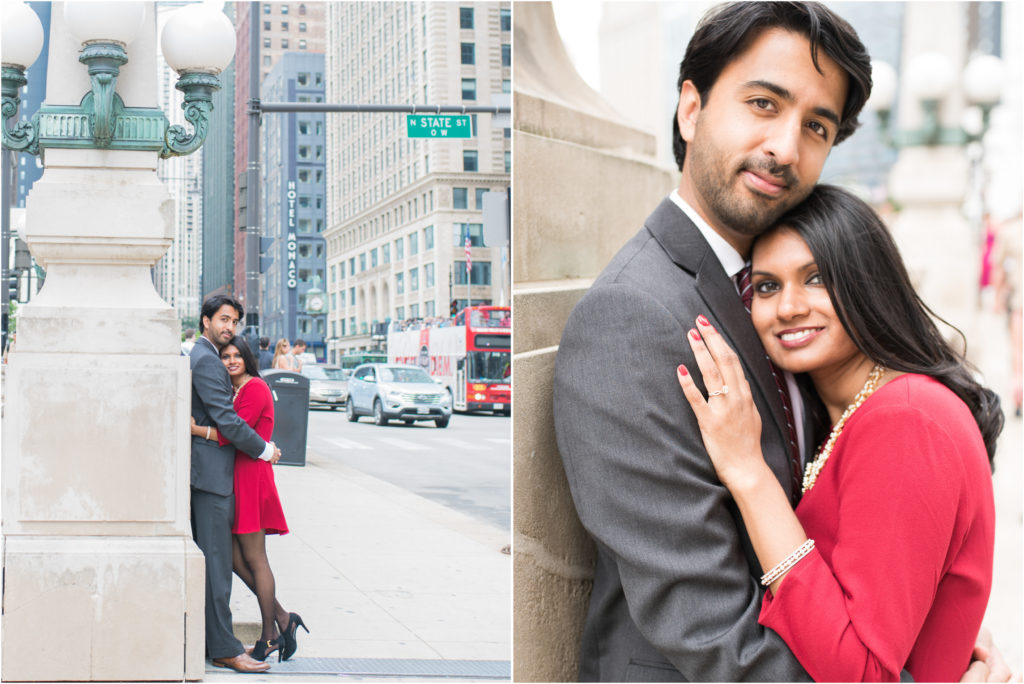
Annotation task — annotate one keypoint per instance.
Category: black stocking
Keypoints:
(253, 568)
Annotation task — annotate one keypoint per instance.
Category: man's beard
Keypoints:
(716, 185)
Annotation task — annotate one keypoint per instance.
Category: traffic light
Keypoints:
(12, 287)
(454, 308)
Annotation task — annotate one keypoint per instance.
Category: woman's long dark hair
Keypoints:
(874, 299)
(248, 359)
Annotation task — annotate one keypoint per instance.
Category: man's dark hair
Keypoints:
(299, 342)
(265, 343)
(212, 305)
(726, 31)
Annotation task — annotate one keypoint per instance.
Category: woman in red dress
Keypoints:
(257, 505)
(886, 564)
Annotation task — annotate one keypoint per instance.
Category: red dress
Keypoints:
(903, 520)
(257, 505)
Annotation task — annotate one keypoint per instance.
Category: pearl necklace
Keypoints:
(821, 458)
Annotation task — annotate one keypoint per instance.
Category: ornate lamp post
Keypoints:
(943, 118)
(102, 580)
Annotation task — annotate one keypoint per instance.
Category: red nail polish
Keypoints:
(694, 334)
(703, 321)
(682, 370)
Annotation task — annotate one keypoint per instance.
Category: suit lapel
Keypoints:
(685, 245)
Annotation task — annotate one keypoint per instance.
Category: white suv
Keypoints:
(396, 391)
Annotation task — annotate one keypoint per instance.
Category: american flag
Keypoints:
(469, 256)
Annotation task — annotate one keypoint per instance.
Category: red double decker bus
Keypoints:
(470, 355)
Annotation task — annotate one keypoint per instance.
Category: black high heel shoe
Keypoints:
(291, 643)
(264, 648)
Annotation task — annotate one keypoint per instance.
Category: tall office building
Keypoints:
(176, 275)
(399, 210)
(283, 27)
(292, 193)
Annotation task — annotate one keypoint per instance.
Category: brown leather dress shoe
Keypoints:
(242, 662)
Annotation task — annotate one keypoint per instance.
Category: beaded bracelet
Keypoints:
(787, 563)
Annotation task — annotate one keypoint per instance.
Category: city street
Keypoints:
(466, 466)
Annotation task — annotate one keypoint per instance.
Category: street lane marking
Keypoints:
(403, 443)
(348, 444)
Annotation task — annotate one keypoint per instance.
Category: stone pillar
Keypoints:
(102, 580)
(583, 182)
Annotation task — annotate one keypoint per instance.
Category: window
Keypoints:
(266, 42)
(475, 231)
(341, 270)
(302, 10)
(414, 244)
(428, 276)
(302, 45)
(506, 55)
(302, 27)
(352, 267)
(459, 198)
(506, 20)
(414, 279)
(480, 198)
(508, 161)
(469, 89)
(304, 201)
(429, 309)
(352, 300)
(266, 8)
(284, 25)
(400, 283)
(466, 17)
(399, 249)
(284, 8)
(506, 85)
(362, 262)
(284, 43)
(303, 125)
(385, 254)
(468, 53)
(266, 26)
(414, 311)
(480, 273)
(266, 61)
(334, 273)
(302, 79)
(469, 160)
(373, 258)
(428, 237)
(400, 313)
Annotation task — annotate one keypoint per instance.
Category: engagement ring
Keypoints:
(724, 390)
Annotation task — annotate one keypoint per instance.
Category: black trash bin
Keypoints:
(291, 414)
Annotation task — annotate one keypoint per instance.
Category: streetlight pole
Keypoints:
(252, 179)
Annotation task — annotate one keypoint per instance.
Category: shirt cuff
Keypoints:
(268, 452)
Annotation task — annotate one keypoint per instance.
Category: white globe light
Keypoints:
(104, 21)
(198, 38)
(22, 34)
(972, 121)
(883, 87)
(930, 76)
(983, 79)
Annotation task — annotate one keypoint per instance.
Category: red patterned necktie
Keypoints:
(747, 295)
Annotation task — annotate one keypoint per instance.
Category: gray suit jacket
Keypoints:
(675, 594)
(213, 466)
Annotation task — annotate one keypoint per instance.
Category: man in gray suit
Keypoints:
(213, 467)
(766, 90)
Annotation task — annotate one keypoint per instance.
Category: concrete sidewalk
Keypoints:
(389, 583)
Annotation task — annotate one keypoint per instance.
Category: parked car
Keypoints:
(327, 385)
(389, 391)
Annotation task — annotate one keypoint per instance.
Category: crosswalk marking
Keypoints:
(348, 444)
(403, 443)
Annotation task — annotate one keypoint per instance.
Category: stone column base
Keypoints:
(103, 608)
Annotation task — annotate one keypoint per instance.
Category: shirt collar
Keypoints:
(727, 255)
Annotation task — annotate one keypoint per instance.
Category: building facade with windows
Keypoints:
(293, 192)
(399, 210)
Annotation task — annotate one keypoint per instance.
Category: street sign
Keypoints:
(438, 126)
